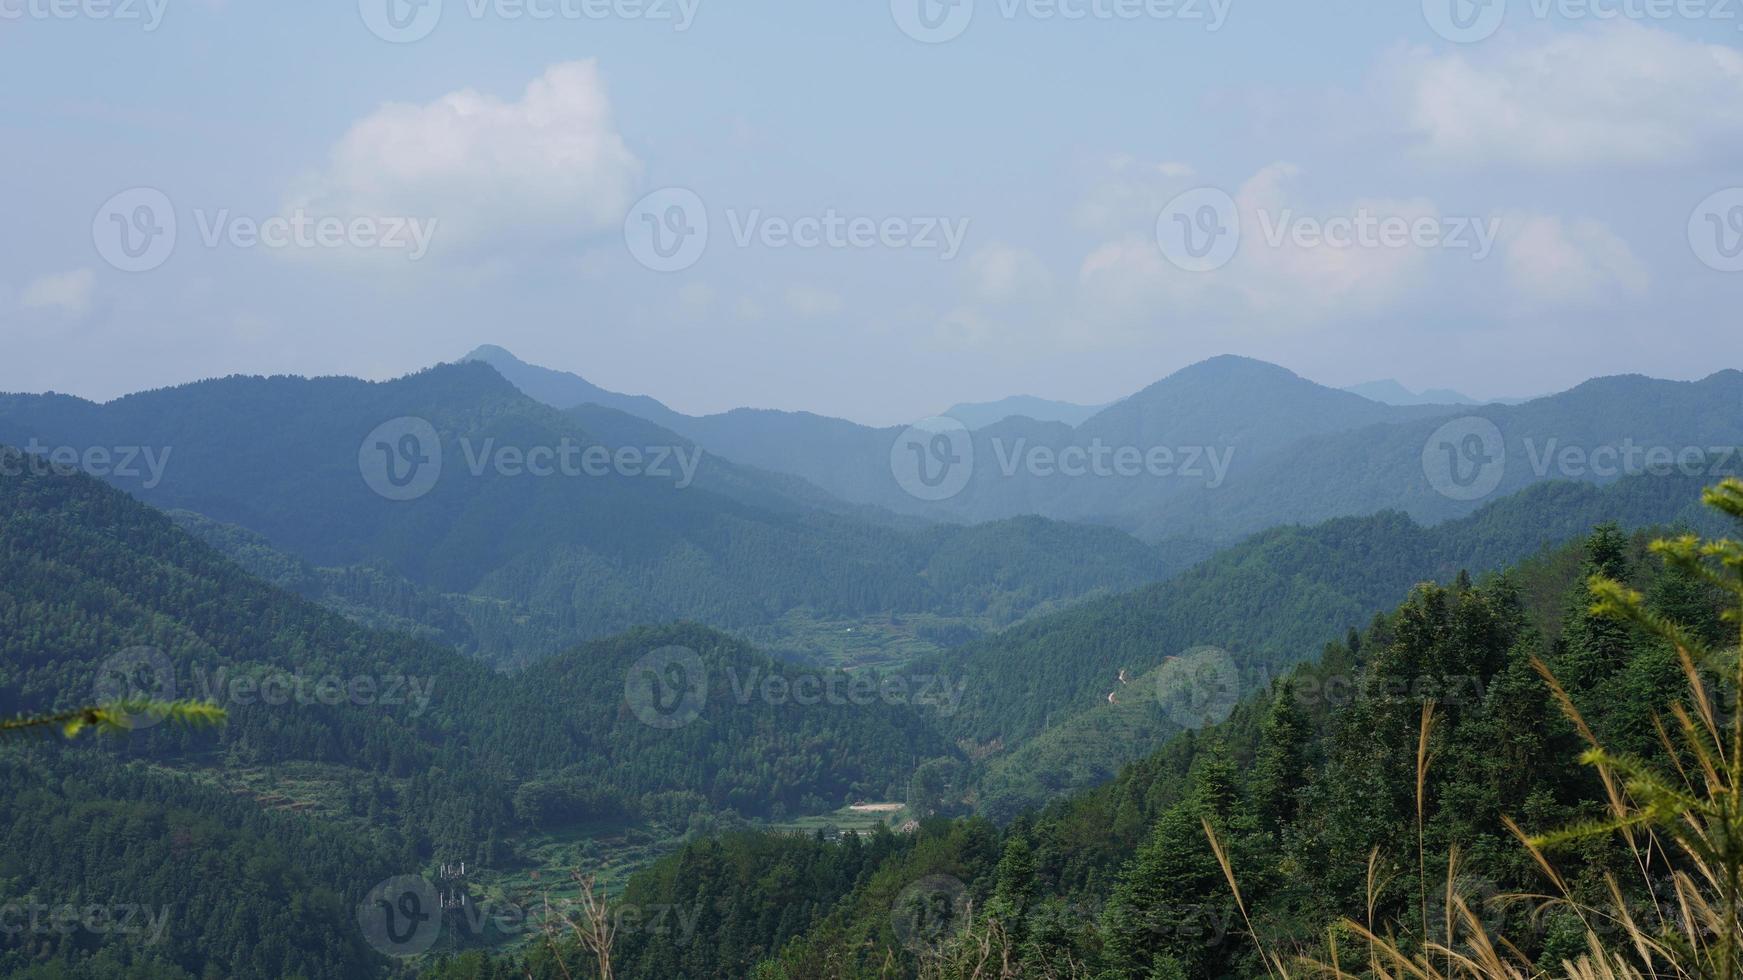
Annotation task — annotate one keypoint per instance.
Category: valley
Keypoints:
(962, 673)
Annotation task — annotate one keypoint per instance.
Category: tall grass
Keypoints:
(1681, 814)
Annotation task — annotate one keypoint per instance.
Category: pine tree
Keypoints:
(1280, 771)
(1014, 887)
(1173, 887)
(1594, 647)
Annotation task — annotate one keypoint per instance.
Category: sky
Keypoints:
(874, 209)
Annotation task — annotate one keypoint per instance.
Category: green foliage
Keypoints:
(85, 571)
(1313, 790)
(1039, 691)
(191, 881)
(513, 566)
(116, 718)
(1304, 781)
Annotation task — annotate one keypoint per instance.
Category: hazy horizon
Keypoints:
(1503, 208)
(675, 405)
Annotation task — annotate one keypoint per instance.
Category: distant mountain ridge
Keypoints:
(1039, 688)
(979, 415)
(1233, 407)
(1391, 392)
(562, 390)
(1245, 445)
(1596, 432)
(493, 554)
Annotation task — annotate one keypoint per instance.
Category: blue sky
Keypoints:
(1598, 150)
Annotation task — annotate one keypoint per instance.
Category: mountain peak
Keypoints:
(1389, 391)
(979, 415)
(562, 390)
(1234, 366)
(490, 353)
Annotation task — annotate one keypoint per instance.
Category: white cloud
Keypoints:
(811, 302)
(1001, 273)
(749, 310)
(1272, 279)
(1127, 187)
(695, 298)
(550, 165)
(68, 293)
(1551, 262)
(966, 328)
(1619, 93)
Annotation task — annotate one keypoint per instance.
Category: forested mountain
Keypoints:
(1217, 416)
(1038, 694)
(201, 882)
(706, 643)
(463, 762)
(379, 597)
(562, 390)
(627, 523)
(1372, 785)
(91, 573)
(979, 415)
(1595, 432)
(427, 753)
(1391, 392)
(1228, 432)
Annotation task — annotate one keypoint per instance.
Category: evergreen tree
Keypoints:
(1281, 769)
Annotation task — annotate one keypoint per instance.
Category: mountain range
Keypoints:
(979, 415)
(622, 524)
(1392, 392)
(1226, 435)
(528, 565)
